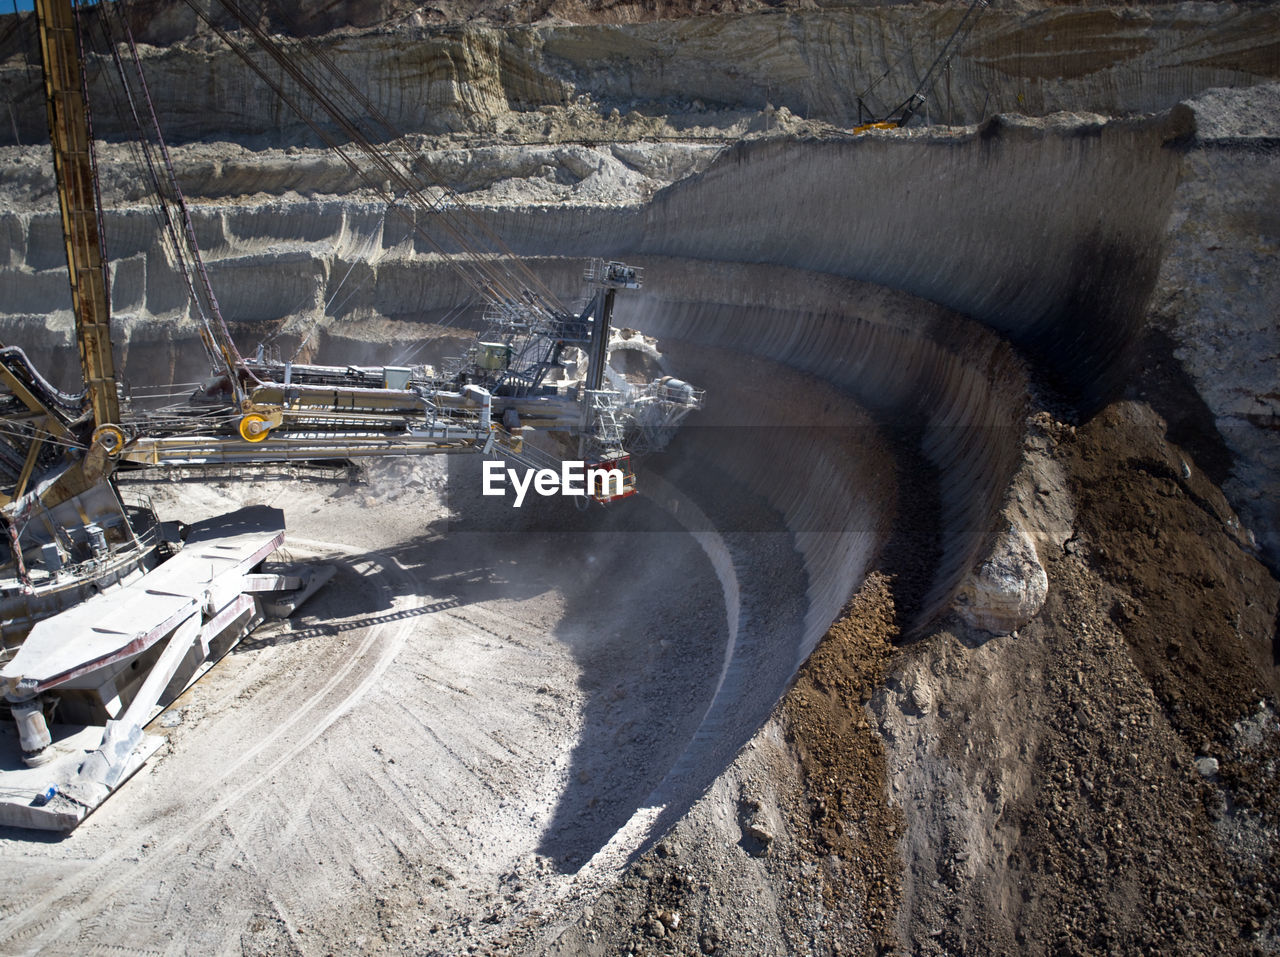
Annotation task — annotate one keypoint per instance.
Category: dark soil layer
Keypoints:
(848, 822)
(1152, 654)
(1124, 848)
(1195, 607)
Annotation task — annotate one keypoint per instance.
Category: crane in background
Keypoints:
(902, 114)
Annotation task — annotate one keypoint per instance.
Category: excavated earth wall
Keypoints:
(818, 63)
(1049, 233)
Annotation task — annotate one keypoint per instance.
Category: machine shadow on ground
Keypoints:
(648, 630)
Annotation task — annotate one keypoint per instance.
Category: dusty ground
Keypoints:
(404, 767)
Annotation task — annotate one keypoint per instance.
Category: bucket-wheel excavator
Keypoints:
(108, 613)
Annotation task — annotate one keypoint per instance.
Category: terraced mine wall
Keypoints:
(817, 64)
(819, 291)
(1053, 237)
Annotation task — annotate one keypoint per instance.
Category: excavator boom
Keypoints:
(73, 163)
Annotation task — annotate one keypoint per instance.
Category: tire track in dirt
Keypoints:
(32, 925)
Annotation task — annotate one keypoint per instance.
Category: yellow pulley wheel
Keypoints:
(110, 437)
(254, 428)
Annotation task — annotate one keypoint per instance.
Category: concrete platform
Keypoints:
(194, 606)
(123, 622)
(21, 787)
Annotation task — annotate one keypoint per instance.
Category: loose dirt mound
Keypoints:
(1192, 602)
(845, 819)
(1102, 782)
(1049, 792)
(1161, 622)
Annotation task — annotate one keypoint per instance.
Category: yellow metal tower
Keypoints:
(77, 189)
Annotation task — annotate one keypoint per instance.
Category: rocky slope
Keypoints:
(697, 72)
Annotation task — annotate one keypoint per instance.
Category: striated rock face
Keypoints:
(817, 64)
(1047, 231)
